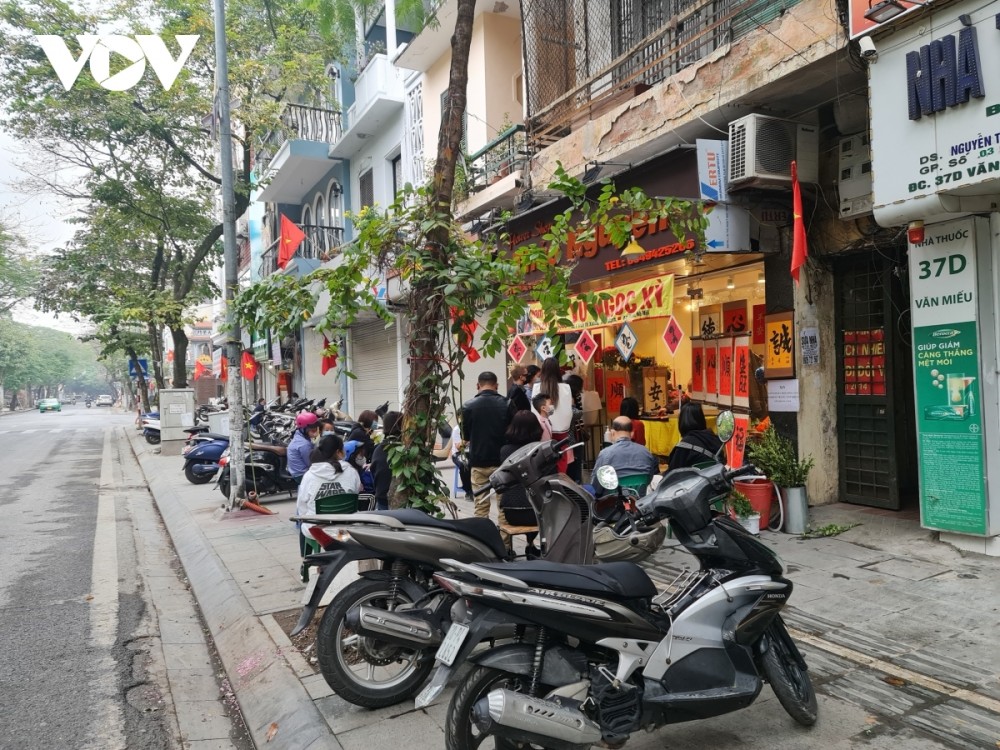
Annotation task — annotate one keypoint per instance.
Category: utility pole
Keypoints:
(234, 385)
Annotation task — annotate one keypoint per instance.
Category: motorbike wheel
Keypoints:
(196, 478)
(360, 669)
(461, 732)
(152, 439)
(788, 680)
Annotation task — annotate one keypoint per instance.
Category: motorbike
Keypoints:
(266, 472)
(201, 458)
(88, 403)
(601, 653)
(396, 617)
(151, 430)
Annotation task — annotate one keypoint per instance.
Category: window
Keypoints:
(320, 210)
(366, 189)
(464, 143)
(333, 200)
(397, 174)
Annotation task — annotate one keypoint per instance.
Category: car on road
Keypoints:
(49, 404)
(105, 401)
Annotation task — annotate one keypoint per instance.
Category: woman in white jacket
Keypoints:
(328, 474)
(550, 382)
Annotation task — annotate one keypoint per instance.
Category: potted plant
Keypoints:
(776, 456)
(740, 507)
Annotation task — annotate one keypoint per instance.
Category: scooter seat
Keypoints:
(624, 580)
(212, 436)
(481, 529)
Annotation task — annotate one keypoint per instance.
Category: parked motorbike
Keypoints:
(201, 459)
(266, 472)
(398, 613)
(603, 654)
(151, 430)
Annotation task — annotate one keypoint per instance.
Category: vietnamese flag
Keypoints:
(199, 370)
(329, 361)
(799, 248)
(224, 369)
(248, 366)
(291, 238)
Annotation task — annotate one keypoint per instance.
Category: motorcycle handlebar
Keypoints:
(739, 472)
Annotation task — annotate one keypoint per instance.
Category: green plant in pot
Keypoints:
(776, 457)
(739, 505)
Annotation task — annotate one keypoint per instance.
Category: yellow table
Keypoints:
(663, 435)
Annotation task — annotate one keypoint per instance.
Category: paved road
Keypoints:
(82, 663)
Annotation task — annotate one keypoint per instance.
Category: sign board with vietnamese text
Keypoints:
(653, 298)
(934, 98)
(946, 376)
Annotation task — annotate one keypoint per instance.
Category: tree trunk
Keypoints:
(156, 353)
(428, 315)
(180, 356)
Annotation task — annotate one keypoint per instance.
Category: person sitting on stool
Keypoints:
(626, 457)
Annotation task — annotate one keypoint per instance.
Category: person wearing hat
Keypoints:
(301, 445)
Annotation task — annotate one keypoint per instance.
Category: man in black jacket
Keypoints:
(517, 397)
(484, 421)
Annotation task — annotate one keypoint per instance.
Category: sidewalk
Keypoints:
(900, 632)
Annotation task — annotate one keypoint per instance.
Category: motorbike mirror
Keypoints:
(725, 426)
(607, 477)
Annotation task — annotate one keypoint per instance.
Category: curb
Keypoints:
(266, 687)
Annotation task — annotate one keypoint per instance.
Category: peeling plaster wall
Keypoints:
(807, 32)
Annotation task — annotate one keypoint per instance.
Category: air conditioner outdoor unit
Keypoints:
(762, 149)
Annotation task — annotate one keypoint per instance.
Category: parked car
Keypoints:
(105, 401)
(49, 404)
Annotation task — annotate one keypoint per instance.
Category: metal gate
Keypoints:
(875, 382)
(375, 365)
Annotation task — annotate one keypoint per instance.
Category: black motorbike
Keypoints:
(266, 472)
(601, 654)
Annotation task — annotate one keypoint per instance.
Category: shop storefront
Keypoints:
(936, 168)
(675, 327)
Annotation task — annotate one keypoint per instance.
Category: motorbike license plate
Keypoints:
(452, 642)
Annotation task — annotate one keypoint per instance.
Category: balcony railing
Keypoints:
(497, 159)
(321, 243)
(621, 57)
(301, 122)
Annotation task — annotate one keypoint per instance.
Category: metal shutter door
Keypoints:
(375, 362)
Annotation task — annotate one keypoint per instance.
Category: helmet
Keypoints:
(625, 542)
(349, 447)
(306, 419)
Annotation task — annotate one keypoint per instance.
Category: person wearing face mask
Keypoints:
(516, 394)
(541, 407)
(561, 395)
(301, 445)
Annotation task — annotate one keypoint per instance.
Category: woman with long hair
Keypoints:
(392, 426)
(328, 474)
(698, 444)
(561, 396)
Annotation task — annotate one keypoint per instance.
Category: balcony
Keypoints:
(301, 152)
(320, 245)
(378, 94)
(492, 172)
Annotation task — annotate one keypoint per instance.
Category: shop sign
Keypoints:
(517, 349)
(809, 342)
(946, 378)
(864, 362)
(544, 348)
(934, 103)
(779, 346)
(673, 335)
(585, 347)
(728, 229)
(712, 169)
(653, 298)
(859, 25)
(626, 341)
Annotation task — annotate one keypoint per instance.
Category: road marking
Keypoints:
(931, 683)
(27, 431)
(104, 608)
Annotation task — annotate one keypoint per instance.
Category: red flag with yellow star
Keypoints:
(291, 238)
(799, 248)
(248, 366)
(199, 370)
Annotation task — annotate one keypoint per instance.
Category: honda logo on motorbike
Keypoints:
(97, 49)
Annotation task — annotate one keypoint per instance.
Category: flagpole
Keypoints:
(234, 390)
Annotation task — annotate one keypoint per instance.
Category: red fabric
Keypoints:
(291, 238)
(248, 366)
(800, 249)
(199, 370)
(224, 369)
(567, 455)
(329, 361)
(638, 432)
